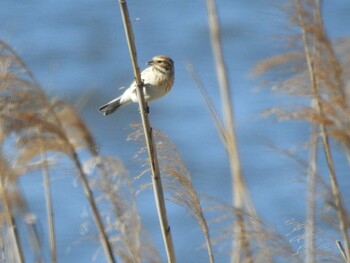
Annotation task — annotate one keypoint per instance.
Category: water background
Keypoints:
(77, 50)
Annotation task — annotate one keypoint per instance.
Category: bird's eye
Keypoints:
(159, 61)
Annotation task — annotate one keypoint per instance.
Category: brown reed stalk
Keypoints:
(312, 63)
(71, 151)
(107, 171)
(311, 198)
(239, 191)
(156, 178)
(261, 235)
(95, 212)
(48, 201)
(30, 109)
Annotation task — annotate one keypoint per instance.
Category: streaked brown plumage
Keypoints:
(158, 79)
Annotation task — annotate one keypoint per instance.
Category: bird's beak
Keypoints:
(150, 62)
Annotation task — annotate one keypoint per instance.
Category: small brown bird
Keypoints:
(158, 79)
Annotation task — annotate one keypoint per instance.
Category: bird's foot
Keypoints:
(145, 112)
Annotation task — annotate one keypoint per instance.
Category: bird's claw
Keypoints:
(145, 112)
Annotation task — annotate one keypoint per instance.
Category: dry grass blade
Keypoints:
(241, 197)
(223, 222)
(221, 132)
(74, 127)
(16, 204)
(11, 65)
(26, 113)
(116, 194)
(337, 96)
(176, 177)
(331, 63)
(185, 195)
(323, 251)
(107, 248)
(19, 94)
(241, 245)
(209, 103)
(320, 75)
(279, 62)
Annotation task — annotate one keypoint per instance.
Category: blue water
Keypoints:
(77, 50)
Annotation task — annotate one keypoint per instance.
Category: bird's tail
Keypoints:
(110, 107)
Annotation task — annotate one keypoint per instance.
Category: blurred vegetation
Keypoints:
(38, 132)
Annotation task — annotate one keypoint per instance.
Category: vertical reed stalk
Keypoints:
(311, 63)
(311, 199)
(107, 248)
(95, 212)
(50, 218)
(156, 178)
(241, 242)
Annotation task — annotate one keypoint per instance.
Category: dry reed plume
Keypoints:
(176, 177)
(317, 69)
(115, 193)
(37, 132)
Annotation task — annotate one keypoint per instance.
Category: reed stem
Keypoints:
(241, 242)
(156, 178)
(95, 212)
(107, 247)
(50, 218)
(311, 199)
(312, 63)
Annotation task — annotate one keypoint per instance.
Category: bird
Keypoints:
(158, 80)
